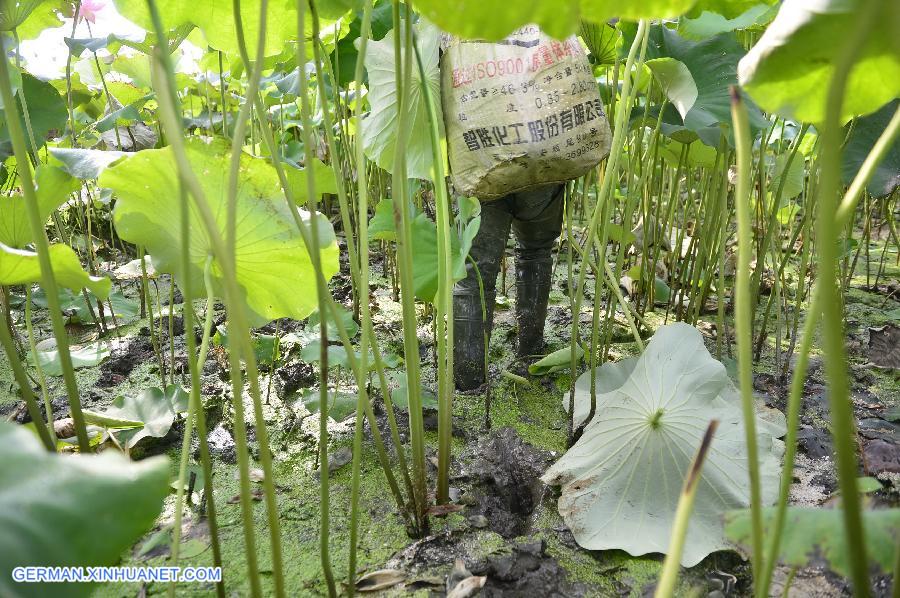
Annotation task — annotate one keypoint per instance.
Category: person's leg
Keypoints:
(537, 223)
(468, 325)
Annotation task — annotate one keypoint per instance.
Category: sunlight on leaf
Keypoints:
(20, 266)
(787, 71)
(272, 265)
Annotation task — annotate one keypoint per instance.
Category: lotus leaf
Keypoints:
(74, 510)
(273, 268)
(821, 532)
(379, 133)
(863, 136)
(495, 19)
(789, 69)
(149, 413)
(52, 189)
(46, 111)
(20, 266)
(216, 19)
(621, 481)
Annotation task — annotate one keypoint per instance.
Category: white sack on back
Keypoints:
(521, 112)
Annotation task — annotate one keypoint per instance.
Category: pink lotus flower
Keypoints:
(89, 10)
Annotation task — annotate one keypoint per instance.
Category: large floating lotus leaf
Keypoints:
(74, 510)
(273, 267)
(216, 19)
(712, 64)
(46, 112)
(52, 189)
(380, 127)
(865, 133)
(149, 413)
(20, 266)
(495, 19)
(789, 69)
(820, 532)
(622, 479)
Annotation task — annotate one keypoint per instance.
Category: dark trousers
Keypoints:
(536, 219)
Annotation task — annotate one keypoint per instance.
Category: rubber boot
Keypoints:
(532, 296)
(468, 340)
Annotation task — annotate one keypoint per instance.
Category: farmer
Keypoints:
(522, 116)
(535, 217)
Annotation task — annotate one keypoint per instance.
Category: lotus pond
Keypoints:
(229, 239)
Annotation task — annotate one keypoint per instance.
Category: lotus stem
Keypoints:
(672, 564)
(744, 321)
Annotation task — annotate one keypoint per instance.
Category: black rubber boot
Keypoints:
(468, 340)
(532, 296)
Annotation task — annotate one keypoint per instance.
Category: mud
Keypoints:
(505, 473)
(293, 376)
(527, 570)
(115, 370)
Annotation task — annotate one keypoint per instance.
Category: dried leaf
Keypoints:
(380, 580)
(468, 587)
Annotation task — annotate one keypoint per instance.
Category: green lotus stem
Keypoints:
(154, 339)
(334, 151)
(42, 379)
(170, 118)
(69, 103)
(444, 298)
(194, 407)
(743, 321)
(24, 387)
(610, 278)
(171, 332)
(195, 367)
(629, 315)
(42, 246)
(827, 231)
(635, 58)
(403, 225)
(360, 374)
(756, 283)
(242, 331)
(842, 216)
(672, 564)
(363, 291)
(595, 309)
(321, 292)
